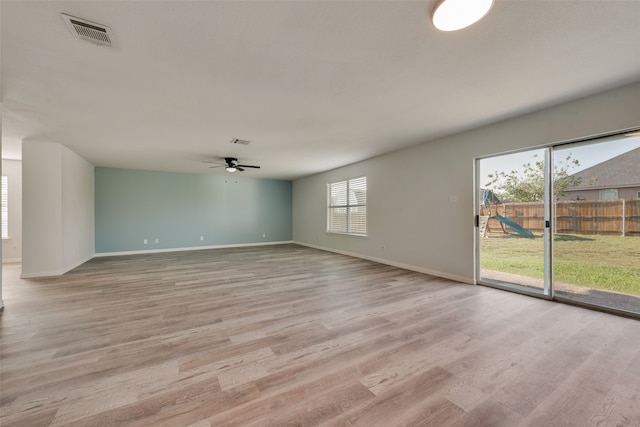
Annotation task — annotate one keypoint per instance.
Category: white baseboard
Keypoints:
(78, 263)
(11, 260)
(43, 274)
(55, 273)
(105, 254)
(436, 273)
(194, 248)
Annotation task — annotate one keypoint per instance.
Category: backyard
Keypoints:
(609, 263)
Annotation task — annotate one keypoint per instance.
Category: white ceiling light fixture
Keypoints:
(452, 15)
(231, 164)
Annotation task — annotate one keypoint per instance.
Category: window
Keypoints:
(609, 194)
(5, 208)
(347, 207)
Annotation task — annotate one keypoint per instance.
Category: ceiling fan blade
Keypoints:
(229, 163)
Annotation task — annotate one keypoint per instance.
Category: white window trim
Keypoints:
(346, 206)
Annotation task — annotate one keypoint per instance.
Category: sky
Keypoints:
(587, 154)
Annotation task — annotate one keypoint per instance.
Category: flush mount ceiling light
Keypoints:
(230, 169)
(452, 15)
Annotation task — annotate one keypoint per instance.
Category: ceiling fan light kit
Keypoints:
(231, 164)
(453, 15)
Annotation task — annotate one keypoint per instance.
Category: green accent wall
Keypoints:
(178, 208)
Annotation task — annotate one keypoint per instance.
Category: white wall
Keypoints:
(408, 191)
(57, 216)
(41, 208)
(12, 247)
(78, 218)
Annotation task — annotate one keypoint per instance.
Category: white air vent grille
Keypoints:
(89, 31)
(240, 141)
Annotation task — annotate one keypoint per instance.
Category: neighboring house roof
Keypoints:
(618, 172)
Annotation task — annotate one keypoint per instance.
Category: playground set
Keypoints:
(489, 199)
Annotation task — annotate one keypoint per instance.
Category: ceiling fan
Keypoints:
(231, 164)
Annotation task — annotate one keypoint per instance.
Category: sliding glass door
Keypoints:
(563, 222)
(513, 240)
(596, 258)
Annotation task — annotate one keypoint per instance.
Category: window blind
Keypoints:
(347, 207)
(5, 208)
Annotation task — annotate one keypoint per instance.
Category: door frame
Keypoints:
(547, 289)
(549, 213)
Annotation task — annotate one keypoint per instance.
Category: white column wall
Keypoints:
(78, 218)
(41, 208)
(57, 216)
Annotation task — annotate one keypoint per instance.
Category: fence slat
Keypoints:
(621, 216)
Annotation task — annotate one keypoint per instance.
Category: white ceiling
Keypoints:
(313, 84)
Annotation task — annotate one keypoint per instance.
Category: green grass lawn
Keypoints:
(599, 262)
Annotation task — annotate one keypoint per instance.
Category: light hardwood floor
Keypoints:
(291, 336)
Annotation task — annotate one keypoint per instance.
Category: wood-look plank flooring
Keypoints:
(285, 335)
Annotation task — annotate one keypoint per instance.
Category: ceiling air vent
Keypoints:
(240, 141)
(89, 31)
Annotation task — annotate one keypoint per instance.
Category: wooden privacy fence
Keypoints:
(620, 216)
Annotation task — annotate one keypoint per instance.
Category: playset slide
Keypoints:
(513, 225)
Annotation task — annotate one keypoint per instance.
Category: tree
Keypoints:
(527, 185)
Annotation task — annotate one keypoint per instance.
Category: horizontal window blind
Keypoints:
(5, 208)
(347, 207)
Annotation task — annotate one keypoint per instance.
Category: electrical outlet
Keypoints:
(145, 241)
(453, 199)
(264, 235)
(157, 241)
(201, 238)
